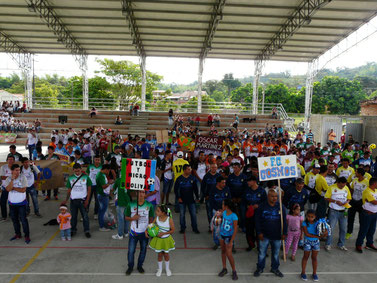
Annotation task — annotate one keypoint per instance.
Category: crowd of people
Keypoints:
(8, 123)
(335, 182)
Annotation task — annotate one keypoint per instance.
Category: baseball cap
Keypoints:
(179, 154)
(316, 165)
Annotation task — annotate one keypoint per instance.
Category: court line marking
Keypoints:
(175, 274)
(26, 266)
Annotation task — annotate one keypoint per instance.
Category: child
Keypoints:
(294, 222)
(311, 243)
(215, 228)
(64, 220)
(228, 231)
(163, 243)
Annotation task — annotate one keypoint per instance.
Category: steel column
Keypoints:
(200, 82)
(258, 66)
(143, 81)
(311, 73)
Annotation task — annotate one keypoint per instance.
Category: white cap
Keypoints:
(180, 154)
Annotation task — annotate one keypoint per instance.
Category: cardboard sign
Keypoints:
(277, 167)
(209, 145)
(159, 136)
(8, 138)
(64, 159)
(138, 174)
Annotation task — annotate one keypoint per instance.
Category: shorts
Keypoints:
(226, 239)
(311, 245)
(167, 185)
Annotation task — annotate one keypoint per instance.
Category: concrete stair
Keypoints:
(145, 123)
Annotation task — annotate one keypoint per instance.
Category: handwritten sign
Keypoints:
(138, 174)
(209, 145)
(277, 167)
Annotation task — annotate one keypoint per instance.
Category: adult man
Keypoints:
(187, 193)
(253, 196)
(368, 217)
(122, 201)
(345, 170)
(331, 177)
(31, 141)
(32, 175)
(140, 213)
(178, 171)
(269, 230)
(51, 156)
(12, 151)
(199, 168)
(208, 183)
(145, 149)
(103, 191)
(116, 154)
(297, 194)
(79, 187)
(358, 185)
(5, 172)
(92, 171)
(338, 196)
(331, 136)
(87, 151)
(167, 177)
(321, 187)
(310, 179)
(16, 185)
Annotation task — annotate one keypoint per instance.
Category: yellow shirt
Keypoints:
(321, 185)
(343, 172)
(301, 170)
(341, 195)
(368, 196)
(358, 188)
(178, 167)
(310, 180)
(353, 176)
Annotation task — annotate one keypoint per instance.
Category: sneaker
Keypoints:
(38, 214)
(15, 237)
(258, 272)
(168, 272)
(103, 229)
(223, 272)
(343, 248)
(87, 234)
(141, 270)
(181, 231)
(277, 273)
(304, 277)
(117, 237)
(249, 249)
(129, 271)
(196, 232)
(69, 239)
(27, 240)
(126, 235)
(47, 198)
(159, 272)
(215, 247)
(3, 220)
(359, 249)
(348, 235)
(63, 239)
(81, 219)
(315, 277)
(95, 217)
(234, 275)
(371, 247)
(327, 247)
(73, 233)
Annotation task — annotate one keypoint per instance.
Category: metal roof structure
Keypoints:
(231, 29)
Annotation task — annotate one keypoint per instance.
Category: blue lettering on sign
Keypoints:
(277, 172)
(46, 173)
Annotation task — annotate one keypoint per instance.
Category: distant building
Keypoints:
(6, 96)
(184, 97)
(369, 107)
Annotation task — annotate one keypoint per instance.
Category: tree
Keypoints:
(125, 77)
(243, 94)
(230, 82)
(208, 104)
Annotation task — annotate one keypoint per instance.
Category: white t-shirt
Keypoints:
(29, 175)
(202, 170)
(15, 197)
(31, 139)
(5, 171)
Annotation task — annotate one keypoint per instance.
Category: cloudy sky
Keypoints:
(184, 71)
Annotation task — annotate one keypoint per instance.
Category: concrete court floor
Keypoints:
(99, 259)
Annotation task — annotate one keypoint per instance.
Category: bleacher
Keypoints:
(146, 122)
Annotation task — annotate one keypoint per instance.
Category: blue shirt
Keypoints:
(186, 188)
(216, 197)
(61, 151)
(293, 196)
(208, 183)
(237, 184)
(145, 149)
(268, 221)
(251, 197)
(312, 229)
(227, 225)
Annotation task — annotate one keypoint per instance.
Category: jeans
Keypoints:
(209, 211)
(18, 213)
(31, 147)
(356, 206)
(367, 228)
(103, 202)
(251, 235)
(76, 205)
(275, 249)
(34, 198)
(65, 234)
(132, 248)
(334, 217)
(4, 203)
(122, 222)
(182, 215)
(96, 205)
(168, 184)
(55, 192)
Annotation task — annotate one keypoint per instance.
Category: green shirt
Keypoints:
(101, 180)
(145, 212)
(92, 171)
(348, 154)
(123, 199)
(79, 189)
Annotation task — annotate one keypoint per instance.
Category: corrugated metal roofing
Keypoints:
(174, 28)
